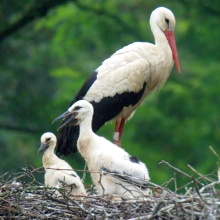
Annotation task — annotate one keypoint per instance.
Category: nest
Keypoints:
(19, 200)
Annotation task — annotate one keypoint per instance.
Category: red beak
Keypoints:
(171, 40)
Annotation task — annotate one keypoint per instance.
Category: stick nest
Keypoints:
(20, 200)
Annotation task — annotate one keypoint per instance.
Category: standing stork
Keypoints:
(118, 87)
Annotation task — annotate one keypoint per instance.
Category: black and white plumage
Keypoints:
(58, 173)
(112, 169)
(118, 87)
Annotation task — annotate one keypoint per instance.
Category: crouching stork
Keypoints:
(112, 169)
(58, 173)
(118, 87)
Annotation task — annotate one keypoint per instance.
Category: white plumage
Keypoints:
(128, 68)
(58, 173)
(118, 87)
(112, 169)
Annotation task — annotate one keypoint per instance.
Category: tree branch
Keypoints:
(37, 10)
(40, 9)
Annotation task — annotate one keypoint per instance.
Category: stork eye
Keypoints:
(167, 21)
(48, 139)
(77, 108)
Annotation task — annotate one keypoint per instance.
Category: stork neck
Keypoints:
(159, 37)
(49, 157)
(86, 126)
(160, 68)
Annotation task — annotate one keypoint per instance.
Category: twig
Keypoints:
(100, 182)
(218, 157)
(159, 205)
(141, 217)
(209, 186)
(174, 168)
(3, 175)
(25, 174)
(196, 188)
(75, 203)
(201, 175)
(84, 173)
(214, 152)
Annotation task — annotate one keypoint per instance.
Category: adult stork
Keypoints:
(112, 169)
(118, 87)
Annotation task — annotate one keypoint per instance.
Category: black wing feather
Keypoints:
(109, 107)
(68, 136)
(85, 87)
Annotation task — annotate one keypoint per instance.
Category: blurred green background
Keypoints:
(49, 47)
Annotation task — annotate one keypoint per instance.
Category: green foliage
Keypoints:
(45, 63)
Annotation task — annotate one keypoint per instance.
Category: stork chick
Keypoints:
(58, 173)
(112, 169)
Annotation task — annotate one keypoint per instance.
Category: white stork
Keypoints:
(58, 173)
(112, 169)
(118, 87)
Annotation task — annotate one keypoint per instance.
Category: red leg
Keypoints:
(121, 129)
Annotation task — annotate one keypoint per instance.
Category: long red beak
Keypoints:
(171, 40)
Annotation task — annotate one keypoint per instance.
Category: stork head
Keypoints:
(164, 19)
(76, 113)
(48, 140)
